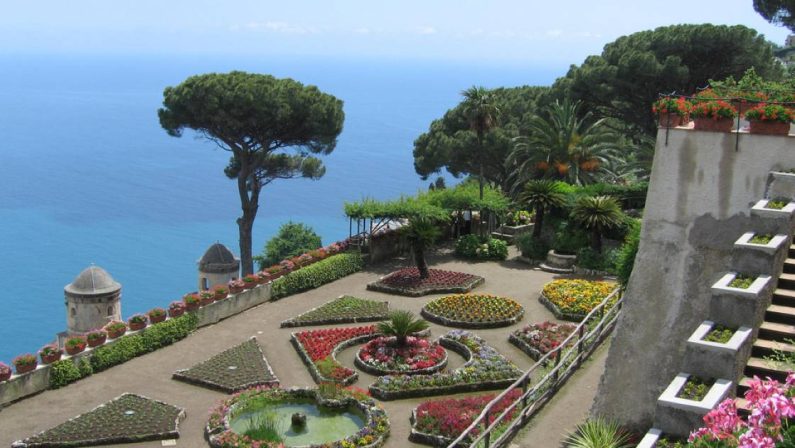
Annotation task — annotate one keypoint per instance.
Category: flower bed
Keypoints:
(473, 311)
(485, 369)
(539, 339)
(318, 349)
(128, 418)
(407, 282)
(574, 299)
(220, 434)
(345, 309)
(439, 422)
(232, 370)
(382, 356)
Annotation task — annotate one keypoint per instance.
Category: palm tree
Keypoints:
(597, 213)
(481, 111)
(421, 233)
(563, 146)
(542, 195)
(401, 324)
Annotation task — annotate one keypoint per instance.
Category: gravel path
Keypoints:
(150, 375)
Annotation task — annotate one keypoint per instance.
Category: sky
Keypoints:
(520, 31)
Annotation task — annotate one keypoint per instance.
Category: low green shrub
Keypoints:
(625, 259)
(587, 258)
(569, 239)
(532, 248)
(318, 274)
(63, 372)
(472, 246)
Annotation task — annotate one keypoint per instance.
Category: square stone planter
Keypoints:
(715, 359)
(762, 258)
(773, 246)
(678, 416)
(781, 185)
(760, 209)
(737, 307)
(650, 439)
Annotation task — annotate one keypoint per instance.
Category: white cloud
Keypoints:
(279, 27)
(426, 30)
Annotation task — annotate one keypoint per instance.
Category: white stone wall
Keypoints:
(208, 280)
(84, 314)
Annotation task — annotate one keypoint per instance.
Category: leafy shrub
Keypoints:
(292, 240)
(64, 372)
(625, 259)
(318, 274)
(467, 245)
(532, 248)
(569, 239)
(588, 258)
(472, 246)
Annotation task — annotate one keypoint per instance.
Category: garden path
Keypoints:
(150, 375)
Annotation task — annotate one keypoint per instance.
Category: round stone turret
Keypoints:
(92, 300)
(217, 266)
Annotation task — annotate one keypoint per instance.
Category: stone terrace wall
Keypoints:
(700, 195)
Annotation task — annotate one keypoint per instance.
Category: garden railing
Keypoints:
(488, 430)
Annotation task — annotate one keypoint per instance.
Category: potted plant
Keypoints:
(5, 372)
(25, 363)
(206, 297)
(176, 308)
(156, 315)
(713, 115)
(75, 345)
(96, 338)
(115, 329)
(250, 281)
(191, 301)
(771, 119)
(221, 291)
(50, 353)
(236, 286)
(137, 322)
(275, 272)
(672, 112)
(264, 277)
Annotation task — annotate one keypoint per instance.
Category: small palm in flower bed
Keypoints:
(760, 239)
(542, 338)
(407, 281)
(75, 345)
(344, 309)
(695, 388)
(475, 309)
(719, 334)
(449, 417)
(385, 356)
(742, 281)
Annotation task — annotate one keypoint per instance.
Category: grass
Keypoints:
(742, 281)
(265, 427)
(760, 239)
(695, 388)
(719, 334)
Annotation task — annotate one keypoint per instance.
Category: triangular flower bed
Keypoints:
(342, 310)
(128, 418)
(232, 370)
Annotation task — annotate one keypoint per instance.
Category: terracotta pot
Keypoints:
(74, 350)
(191, 306)
(135, 326)
(97, 342)
(49, 359)
(250, 285)
(220, 295)
(711, 125)
(670, 120)
(769, 127)
(157, 319)
(176, 312)
(5, 376)
(206, 301)
(26, 368)
(117, 333)
(235, 289)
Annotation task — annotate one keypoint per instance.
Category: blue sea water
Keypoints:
(88, 176)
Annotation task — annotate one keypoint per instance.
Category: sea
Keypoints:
(88, 176)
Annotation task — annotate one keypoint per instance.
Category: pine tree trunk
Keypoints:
(249, 199)
(419, 260)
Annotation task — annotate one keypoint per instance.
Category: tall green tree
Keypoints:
(777, 12)
(542, 195)
(563, 145)
(597, 214)
(451, 144)
(272, 128)
(482, 112)
(632, 71)
(292, 240)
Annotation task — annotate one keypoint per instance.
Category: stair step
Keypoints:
(789, 265)
(764, 368)
(780, 313)
(792, 250)
(776, 331)
(742, 406)
(783, 296)
(764, 347)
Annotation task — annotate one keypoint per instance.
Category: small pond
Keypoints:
(323, 425)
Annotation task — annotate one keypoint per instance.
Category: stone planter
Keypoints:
(670, 120)
(712, 125)
(763, 258)
(737, 307)
(678, 416)
(781, 185)
(769, 127)
(560, 263)
(760, 209)
(715, 359)
(776, 243)
(650, 439)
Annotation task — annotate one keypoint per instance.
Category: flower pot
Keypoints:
(670, 120)
(206, 301)
(116, 333)
(26, 368)
(249, 285)
(97, 342)
(176, 312)
(73, 350)
(219, 295)
(191, 306)
(135, 326)
(49, 359)
(712, 125)
(157, 319)
(4, 376)
(769, 127)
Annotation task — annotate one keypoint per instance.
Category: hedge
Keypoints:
(65, 371)
(317, 274)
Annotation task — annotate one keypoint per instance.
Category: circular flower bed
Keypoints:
(382, 356)
(220, 434)
(407, 282)
(574, 299)
(539, 339)
(473, 311)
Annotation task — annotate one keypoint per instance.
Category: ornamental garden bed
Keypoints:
(383, 356)
(573, 299)
(485, 369)
(223, 429)
(344, 309)
(125, 419)
(473, 311)
(439, 422)
(539, 339)
(318, 350)
(407, 282)
(232, 370)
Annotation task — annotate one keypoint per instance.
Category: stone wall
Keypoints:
(700, 195)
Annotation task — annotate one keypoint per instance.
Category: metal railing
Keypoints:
(489, 431)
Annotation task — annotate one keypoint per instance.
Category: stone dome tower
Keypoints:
(92, 300)
(217, 266)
